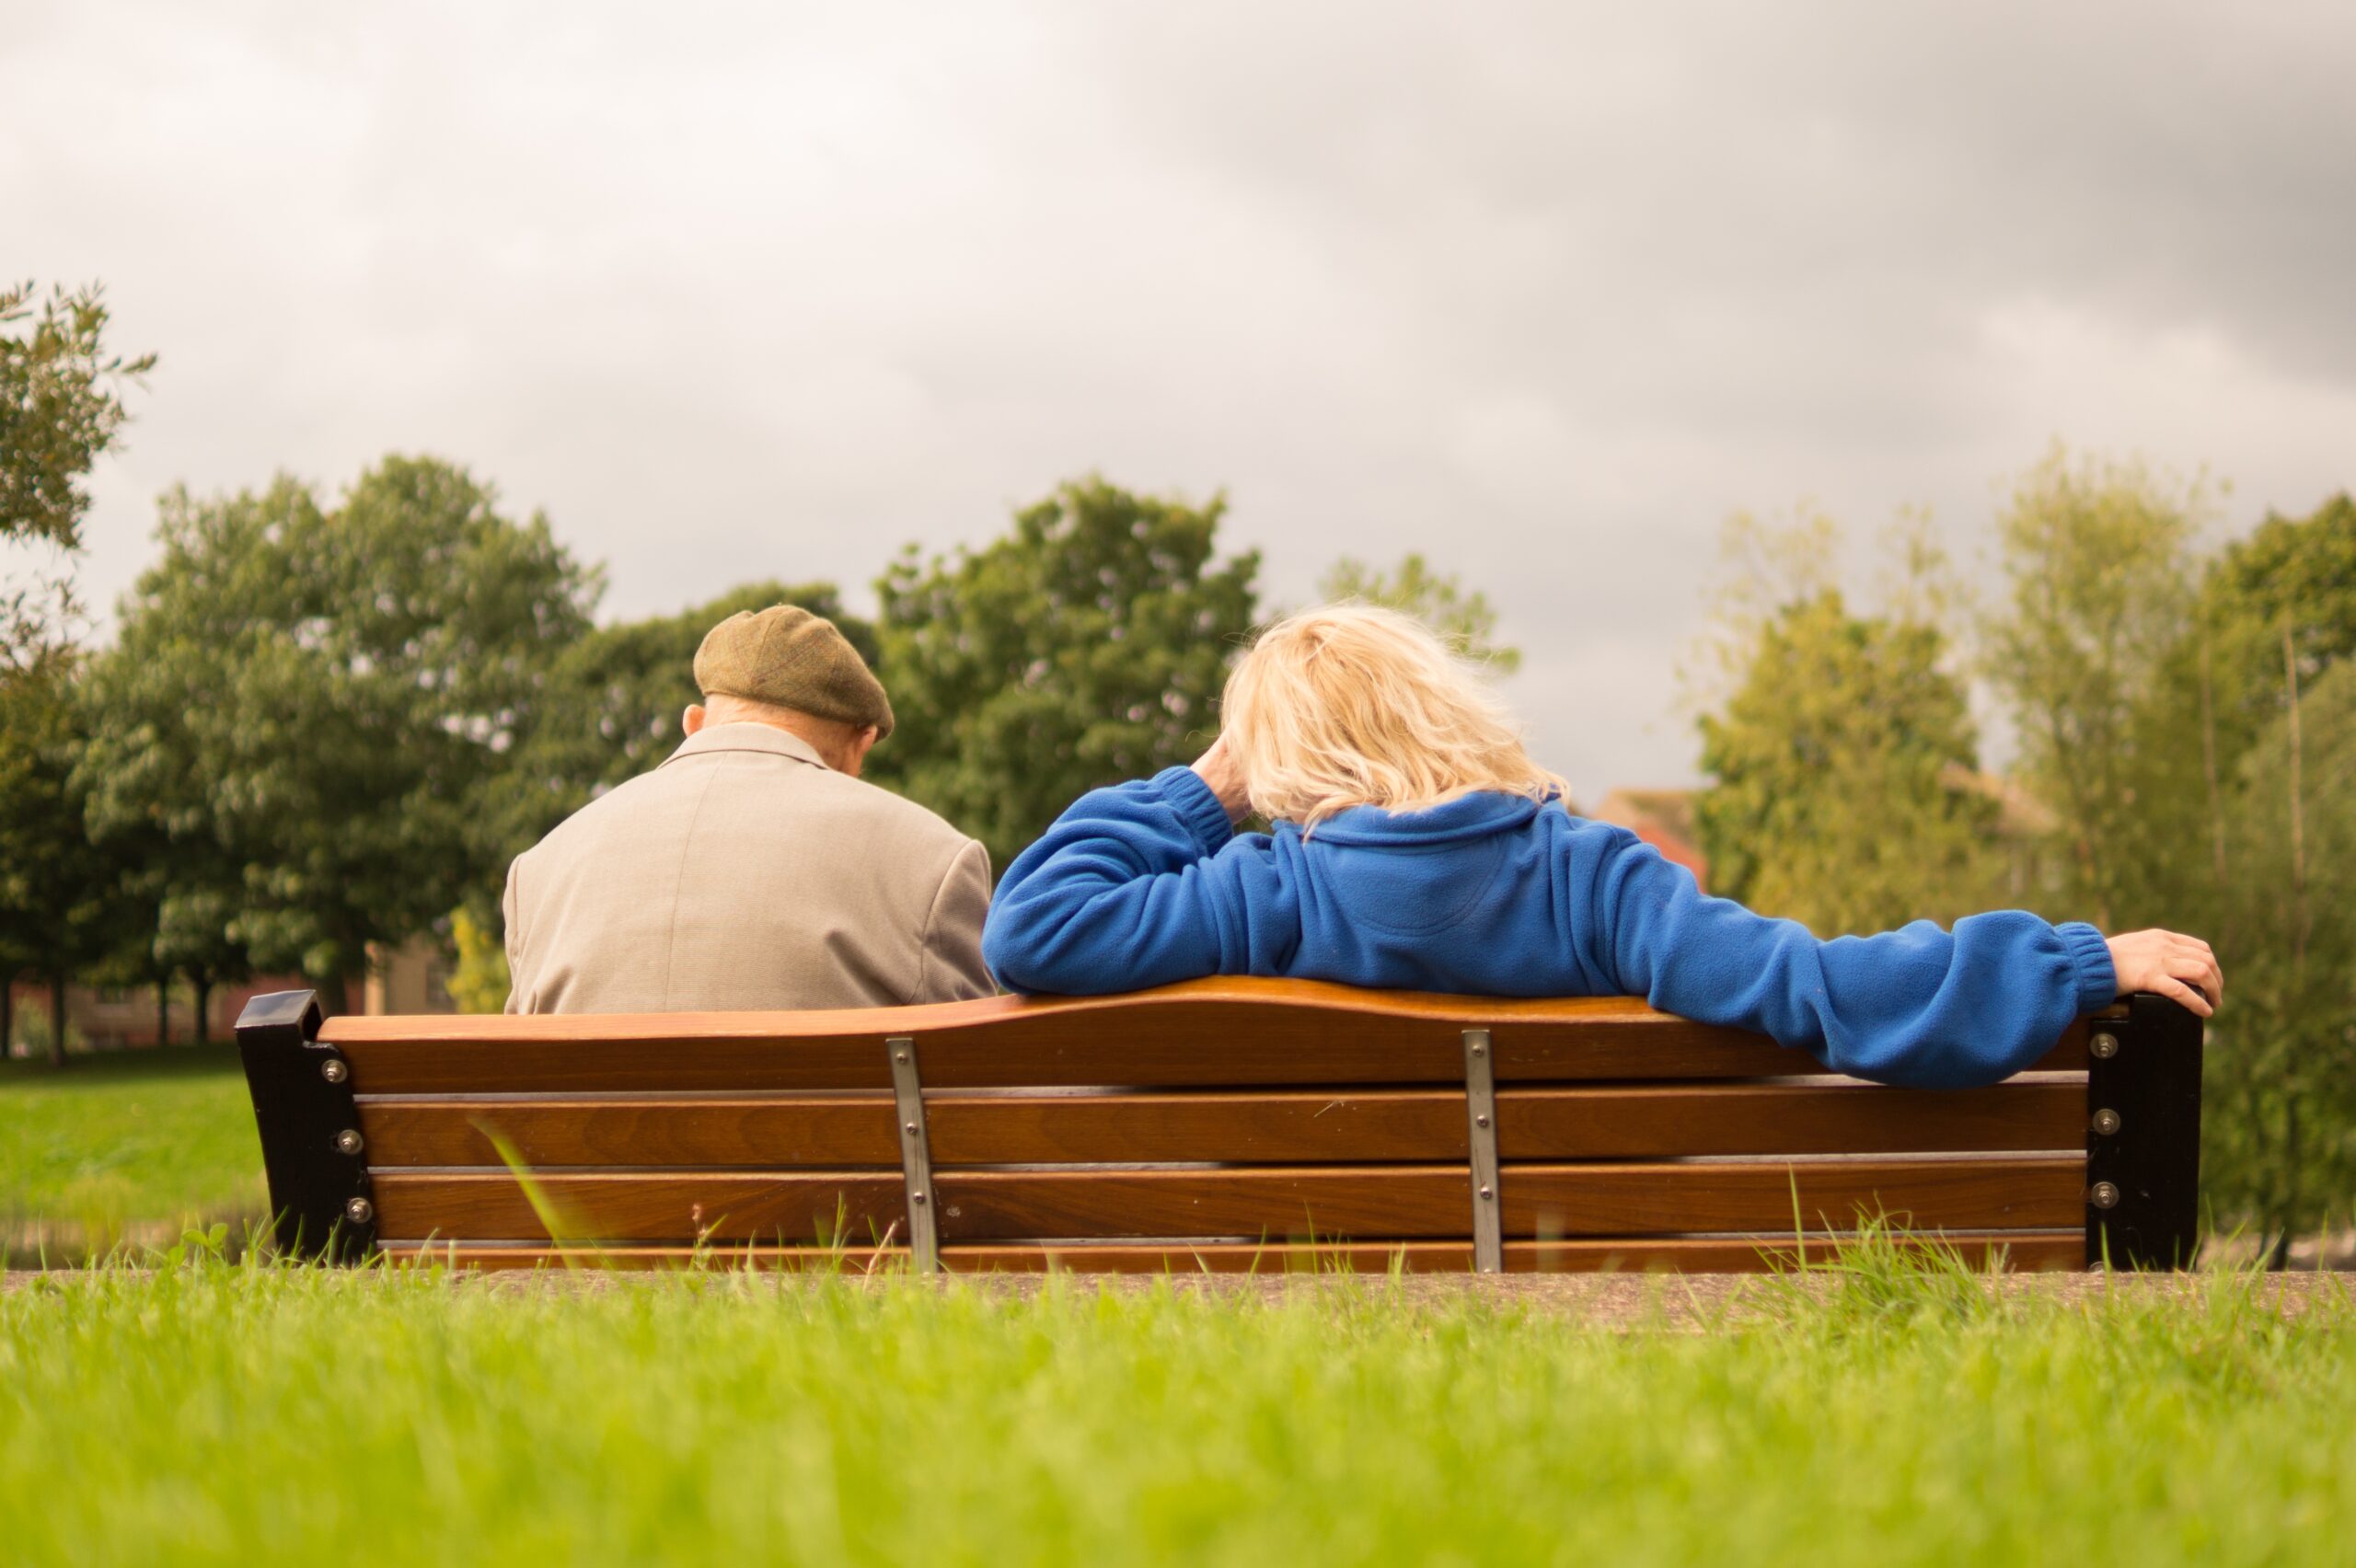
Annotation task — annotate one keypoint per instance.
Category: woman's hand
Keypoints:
(1217, 768)
(2181, 968)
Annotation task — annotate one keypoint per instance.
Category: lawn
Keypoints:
(137, 1142)
(217, 1413)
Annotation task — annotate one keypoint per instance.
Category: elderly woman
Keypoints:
(1417, 846)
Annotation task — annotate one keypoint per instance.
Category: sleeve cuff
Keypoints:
(2089, 953)
(1199, 809)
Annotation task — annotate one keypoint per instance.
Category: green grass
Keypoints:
(109, 1144)
(209, 1412)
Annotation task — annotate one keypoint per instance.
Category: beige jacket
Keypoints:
(744, 874)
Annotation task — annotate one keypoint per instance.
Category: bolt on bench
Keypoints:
(1220, 1124)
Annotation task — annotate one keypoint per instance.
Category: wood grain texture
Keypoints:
(553, 1133)
(1538, 1200)
(857, 1206)
(2017, 1249)
(1281, 1202)
(1276, 1127)
(1201, 1034)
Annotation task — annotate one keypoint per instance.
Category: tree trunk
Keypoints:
(2209, 765)
(202, 985)
(57, 1017)
(7, 1018)
(334, 998)
(163, 1012)
(2299, 925)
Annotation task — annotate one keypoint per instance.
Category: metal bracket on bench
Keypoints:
(2144, 1137)
(1481, 1114)
(311, 1147)
(916, 1155)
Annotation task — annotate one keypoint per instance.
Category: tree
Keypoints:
(1842, 758)
(1087, 646)
(61, 901)
(318, 697)
(2280, 1122)
(2097, 563)
(1437, 599)
(60, 406)
(2261, 851)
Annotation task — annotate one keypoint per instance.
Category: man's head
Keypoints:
(793, 670)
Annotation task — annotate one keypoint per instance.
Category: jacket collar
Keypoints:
(747, 737)
(1468, 816)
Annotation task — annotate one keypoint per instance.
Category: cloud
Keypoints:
(1543, 291)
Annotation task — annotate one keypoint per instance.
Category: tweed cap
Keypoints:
(788, 656)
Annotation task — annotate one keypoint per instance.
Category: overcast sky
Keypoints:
(1544, 291)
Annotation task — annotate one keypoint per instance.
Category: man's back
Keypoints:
(744, 874)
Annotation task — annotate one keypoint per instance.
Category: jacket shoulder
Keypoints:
(918, 826)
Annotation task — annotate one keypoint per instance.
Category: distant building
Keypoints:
(116, 1018)
(1662, 818)
(412, 978)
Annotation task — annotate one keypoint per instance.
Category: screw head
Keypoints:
(1487, 1192)
(2106, 1122)
(915, 1197)
(899, 1056)
(909, 1128)
(1480, 1049)
(2105, 1195)
(333, 1070)
(360, 1211)
(2104, 1045)
(348, 1141)
(1480, 1121)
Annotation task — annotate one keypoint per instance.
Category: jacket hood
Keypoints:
(1478, 816)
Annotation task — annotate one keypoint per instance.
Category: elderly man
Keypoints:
(753, 870)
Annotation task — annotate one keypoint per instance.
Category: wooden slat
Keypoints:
(1838, 1117)
(493, 1206)
(862, 1259)
(546, 1134)
(1204, 1033)
(1416, 1201)
(1364, 1125)
(1683, 1254)
(2020, 1249)
(1552, 1200)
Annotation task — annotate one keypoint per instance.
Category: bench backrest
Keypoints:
(1221, 1123)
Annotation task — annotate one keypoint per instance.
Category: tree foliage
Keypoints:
(2189, 724)
(60, 406)
(62, 904)
(1087, 646)
(1843, 756)
(2255, 848)
(316, 695)
(2097, 561)
(1438, 599)
(2281, 1123)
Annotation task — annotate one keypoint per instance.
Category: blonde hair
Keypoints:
(1354, 705)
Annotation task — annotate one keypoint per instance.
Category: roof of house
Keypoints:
(1662, 818)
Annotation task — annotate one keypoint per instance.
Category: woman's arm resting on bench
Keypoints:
(1918, 1006)
(1138, 895)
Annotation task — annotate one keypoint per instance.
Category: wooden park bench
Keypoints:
(1219, 1124)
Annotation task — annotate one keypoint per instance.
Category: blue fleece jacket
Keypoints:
(1496, 894)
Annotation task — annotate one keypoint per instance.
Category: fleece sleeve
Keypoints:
(1140, 884)
(1918, 1006)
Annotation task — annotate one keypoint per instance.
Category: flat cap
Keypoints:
(788, 656)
